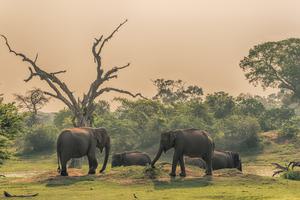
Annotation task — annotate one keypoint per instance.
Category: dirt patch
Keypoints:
(22, 174)
(46, 176)
(261, 170)
(130, 175)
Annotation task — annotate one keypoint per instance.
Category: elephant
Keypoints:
(220, 160)
(190, 142)
(79, 142)
(128, 158)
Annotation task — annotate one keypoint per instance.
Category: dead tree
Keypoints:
(6, 194)
(82, 108)
(32, 101)
(279, 168)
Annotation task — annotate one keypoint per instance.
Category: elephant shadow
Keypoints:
(178, 182)
(58, 180)
(53, 179)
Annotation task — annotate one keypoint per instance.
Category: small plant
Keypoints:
(287, 170)
(152, 173)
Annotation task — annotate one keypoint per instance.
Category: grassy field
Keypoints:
(37, 174)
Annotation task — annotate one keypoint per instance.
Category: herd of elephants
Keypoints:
(194, 143)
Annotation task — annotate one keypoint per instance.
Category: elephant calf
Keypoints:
(130, 158)
(79, 142)
(189, 142)
(220, 160)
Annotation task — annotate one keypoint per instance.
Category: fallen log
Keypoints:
(6, 194)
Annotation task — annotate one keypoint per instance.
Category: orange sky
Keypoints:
(198, 41)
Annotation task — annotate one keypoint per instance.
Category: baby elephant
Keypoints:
(220, 160)
(128, 158)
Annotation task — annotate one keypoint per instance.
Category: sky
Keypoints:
(198, 41)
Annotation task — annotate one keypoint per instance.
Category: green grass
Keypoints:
(125, 182)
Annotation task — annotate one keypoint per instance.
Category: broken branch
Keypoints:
(6, 194)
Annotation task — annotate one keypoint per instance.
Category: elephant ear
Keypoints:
(99, 137)
(172, 137)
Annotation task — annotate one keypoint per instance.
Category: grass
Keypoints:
(145, 183)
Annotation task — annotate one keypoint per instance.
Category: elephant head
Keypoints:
(167, 141)
(102, 141)
(117, 159)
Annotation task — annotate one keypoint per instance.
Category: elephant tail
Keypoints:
(58, 151)
(58, 162)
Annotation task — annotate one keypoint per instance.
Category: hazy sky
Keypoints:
(198, 41)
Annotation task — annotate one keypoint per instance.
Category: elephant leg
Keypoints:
(182, 167)
(208, 160)
(63, 171)
(174, 164)
(93, 164)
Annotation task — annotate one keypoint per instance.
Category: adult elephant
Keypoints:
(220, 160)
(190, 142)
(129, 158)
(79, 142)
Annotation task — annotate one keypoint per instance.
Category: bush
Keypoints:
(10, 125)
(240, 133)
(4, 154)
(274, 118)
(41, 138)
(292, 175)
(290, 129)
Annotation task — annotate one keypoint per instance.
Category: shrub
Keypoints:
(240, 133)
(4, 154)
(290, 129)
(274, 118)
(41, 138)
(10, 125)
(292, 175)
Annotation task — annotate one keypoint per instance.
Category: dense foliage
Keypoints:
(275, 64)
(40, 138)
(10, 126)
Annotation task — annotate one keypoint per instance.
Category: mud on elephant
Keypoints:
(79, 142)
(129, 158)
(220, 160)
(189, 142)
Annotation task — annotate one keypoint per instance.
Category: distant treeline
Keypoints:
(234, 122)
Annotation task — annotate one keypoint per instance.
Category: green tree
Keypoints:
(240, 133)
(63, 119)
(274, 118)
(220, 103)
(248, 105)
(174, 91)
(10, 126)
(275, 64)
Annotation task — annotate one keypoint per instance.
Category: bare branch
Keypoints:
(110, 36)
(59, 72)
(50, 78)
(278, 166)
(111, 73)
(108, 89)
(36, 57)
(277, 172)
(6, 194)
(32, 74)
(91, 95)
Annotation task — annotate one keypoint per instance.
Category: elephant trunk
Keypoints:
(157, 156)
(240, 166)
(107, 149)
